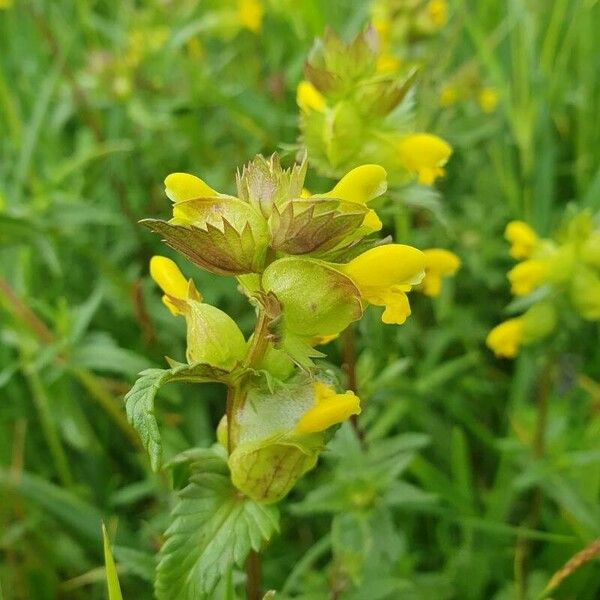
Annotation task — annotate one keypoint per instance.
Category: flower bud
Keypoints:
(317, 299)
(212, 335)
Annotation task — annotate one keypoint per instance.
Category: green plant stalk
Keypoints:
(236, 396)
(55, 446)
(523, 549)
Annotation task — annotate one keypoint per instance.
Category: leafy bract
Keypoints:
(213, 528)
(139, 401)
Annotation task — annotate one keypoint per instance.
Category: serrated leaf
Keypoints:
(213, 528)
(139, 401)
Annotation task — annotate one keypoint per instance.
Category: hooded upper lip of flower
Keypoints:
(438, 263)
(424, 155)
(330, 408)
(505, 338)
(522, 238)
(384, 274)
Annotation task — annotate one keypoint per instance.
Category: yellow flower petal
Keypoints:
(388, 63)
(329, 409)
(183, 186)
(487, 100)
(250, 14)
(372, 221)
(169, 278)
(383, 275)
(424, 155)
(526, 276)
(448, 96)
(309, 98)
(522, 238)
(437, 11)
(360, 185)
(504, 340)
(438, 263)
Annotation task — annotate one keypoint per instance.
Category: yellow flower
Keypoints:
(437, 11)
(183, 186)
(526, 276)
(506, 338)
(488, 100)
(330, 409)
(250, 14)
(180, 187)
(388, 63)
(424, 155)
(171, 281)
(448, 95)
(384, 274)
(309, 98)
(360, 186)
(383, 28)
(438, 263)
(522, 238)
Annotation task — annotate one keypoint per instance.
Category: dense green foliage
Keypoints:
(473, 477)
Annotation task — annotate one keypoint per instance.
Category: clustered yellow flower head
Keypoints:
(565, 272)
(402, 25)
(351, 113)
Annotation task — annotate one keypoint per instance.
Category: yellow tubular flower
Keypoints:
(526, 276)
(250, 14)
(384, 274)
(522, 238)
(438, 263)
(330, 409)
(504, 340)
(309, 98)
(388, 63)
(169, 278)
(437, 11)
(487, 100)
(424, 155)
(448, 95)
(183, 186)
(361, 185)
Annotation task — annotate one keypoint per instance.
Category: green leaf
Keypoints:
(139, 404)
(112, 578)
(213, 528)
(139, 401)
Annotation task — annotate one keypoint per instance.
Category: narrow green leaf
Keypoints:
(112, 578)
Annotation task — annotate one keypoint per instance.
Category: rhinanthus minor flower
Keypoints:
(439, 263)
(424, 156)
(354, 109)
(384, 275)
(523, 239)
(569, 268)
(527, 276)
(330, 409)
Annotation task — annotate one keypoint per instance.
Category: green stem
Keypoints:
(55, 446)
(253, 576)
(523, 548)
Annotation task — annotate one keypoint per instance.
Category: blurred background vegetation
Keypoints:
(480, 478)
